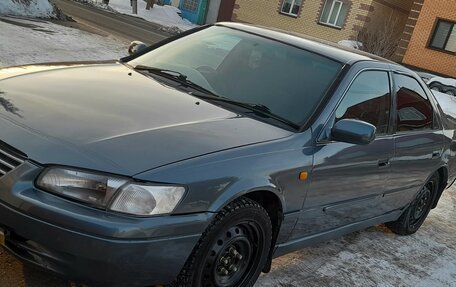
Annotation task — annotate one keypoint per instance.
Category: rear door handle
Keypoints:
(383, 163)
(436, 154)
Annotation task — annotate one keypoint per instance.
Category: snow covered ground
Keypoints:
(168, 16)
(25, 41)
(35, 8)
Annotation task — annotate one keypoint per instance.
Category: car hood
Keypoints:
(111, 118)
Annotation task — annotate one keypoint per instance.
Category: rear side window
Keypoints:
(414, 110)
(369, 100)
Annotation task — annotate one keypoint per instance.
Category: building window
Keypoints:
(291, 7)
(334, 13)
(444, 37)
(190, 5)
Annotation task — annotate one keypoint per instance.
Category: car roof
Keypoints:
(326, 48)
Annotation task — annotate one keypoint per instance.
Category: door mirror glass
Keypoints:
(353, 131)
(136, 47)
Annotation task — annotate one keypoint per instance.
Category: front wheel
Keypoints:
(414, 216)
(233, 250)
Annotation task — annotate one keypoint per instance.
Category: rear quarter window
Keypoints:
(414, 109)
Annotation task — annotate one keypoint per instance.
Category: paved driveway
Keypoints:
(374, 257)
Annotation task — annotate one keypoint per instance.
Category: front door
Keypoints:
(347, 181)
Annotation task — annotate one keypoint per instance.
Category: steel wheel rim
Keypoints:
(232, 256)
(422, 204)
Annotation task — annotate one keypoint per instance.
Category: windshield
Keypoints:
(243, 67)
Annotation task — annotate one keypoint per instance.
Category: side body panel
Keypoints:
(348, 180)
(217, 179)
(418, 154)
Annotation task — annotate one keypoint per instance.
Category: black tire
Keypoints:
(233, 250)
(414, 216)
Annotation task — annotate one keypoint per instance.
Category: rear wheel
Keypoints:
(414, 216)
(233, 250)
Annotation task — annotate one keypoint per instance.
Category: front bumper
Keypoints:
(90, 245)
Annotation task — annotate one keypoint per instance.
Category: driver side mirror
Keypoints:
(353, 131)
(136, 47)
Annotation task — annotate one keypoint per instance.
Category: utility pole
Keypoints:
(134, 5)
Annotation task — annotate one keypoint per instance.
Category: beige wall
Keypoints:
(266, 13)
(418, 54)
(405, 5)
(382, 12)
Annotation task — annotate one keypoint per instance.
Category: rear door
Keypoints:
(418, 141)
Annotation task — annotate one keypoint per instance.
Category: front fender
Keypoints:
(214, 180)
(243, 187)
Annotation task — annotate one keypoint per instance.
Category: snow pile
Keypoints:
(168, 16)
(351, 44)
(446, 81)
(28, 8)
(39, 41)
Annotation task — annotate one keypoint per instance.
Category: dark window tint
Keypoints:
(444, 37)
(369, 100)
(414, 110)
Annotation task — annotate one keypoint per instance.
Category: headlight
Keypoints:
(111, 192)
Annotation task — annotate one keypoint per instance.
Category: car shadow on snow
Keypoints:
(27, 25)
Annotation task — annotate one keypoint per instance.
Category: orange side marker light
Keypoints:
(303, 175)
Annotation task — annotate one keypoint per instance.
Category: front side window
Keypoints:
(334, 13)
(243, 67)
(369, 100)
(414, 110)
(444, 36)
(291, 7)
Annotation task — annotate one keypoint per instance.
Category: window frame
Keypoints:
(289, 13)
(323, 136)
(436, 124)
(434, 33)
(327, 23)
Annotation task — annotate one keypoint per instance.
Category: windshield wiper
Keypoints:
(209, 95)
(175, 75)
(163, 72)
(257, 108)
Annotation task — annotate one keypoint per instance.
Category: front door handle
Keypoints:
(383, 163)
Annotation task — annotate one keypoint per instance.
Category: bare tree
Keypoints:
(381, 39)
